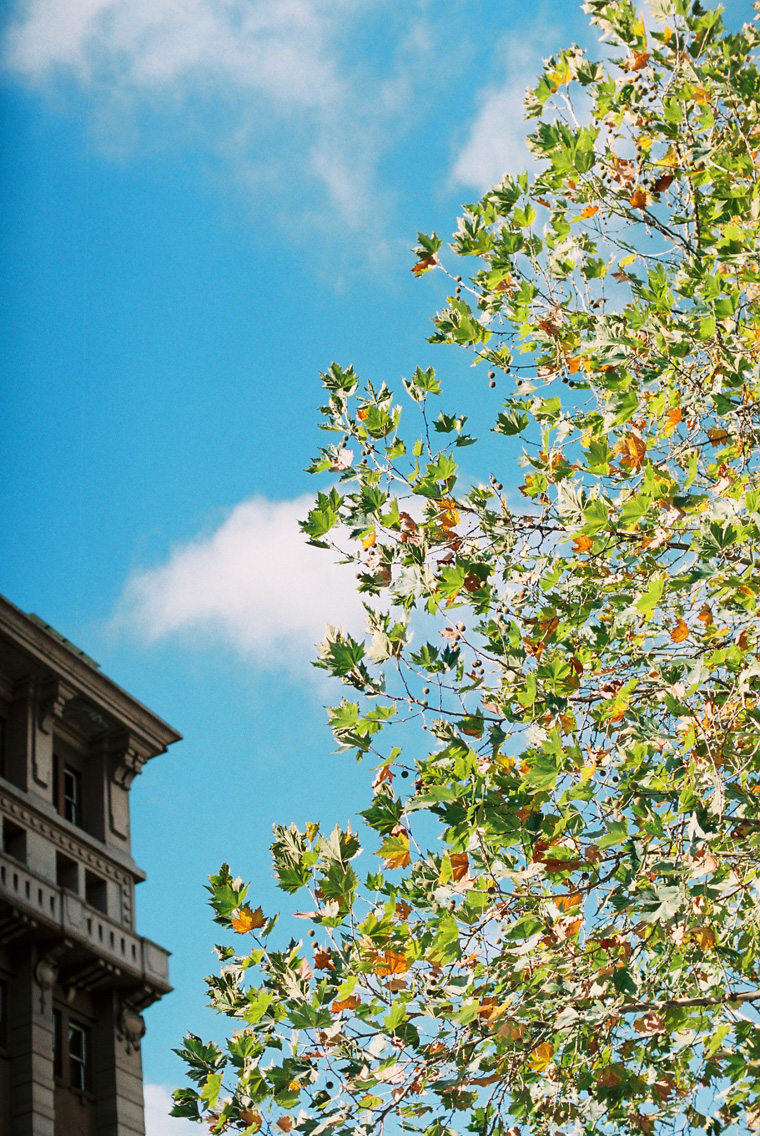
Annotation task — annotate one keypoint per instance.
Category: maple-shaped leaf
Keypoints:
(541, 1056)
(423, 266)
(460, 865)
(395, 851)
(285, 1123)
(704, 937)
(674, 417)
(247, 920)
(349, 1003)
(369, 540)
(639, 199)
(680, 632)
(589, 211)
(391, 962)
(705, 615)
(323, 959)
(582, 543)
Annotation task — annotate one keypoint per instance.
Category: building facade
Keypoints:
(75, 977)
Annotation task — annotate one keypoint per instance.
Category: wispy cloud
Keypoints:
(495, 144)
(158, 1104)
(274, 89)
(252, 584)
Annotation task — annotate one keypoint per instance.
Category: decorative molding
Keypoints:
(130, 1028)
(54, 694)
(33, 822)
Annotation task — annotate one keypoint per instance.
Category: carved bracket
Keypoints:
(131, 1027)
(54, 694)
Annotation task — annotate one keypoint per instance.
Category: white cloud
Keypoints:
(496, 141)
(158, 1103)
(270, 87)
(253, 584)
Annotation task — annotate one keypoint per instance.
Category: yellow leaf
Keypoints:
(638, 61)
(628, 260)
(362, 413)
(582, 543)
(679, 632)
(701, 96)
(449, 517)
(706, 616)
(460, 865)
(369, 540)
(717, 435)
(247, 920)
(541, 1056)
(704, 937)
(590, 211)
(395, 852)
(674, 417)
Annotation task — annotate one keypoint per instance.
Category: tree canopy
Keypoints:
(562, 931)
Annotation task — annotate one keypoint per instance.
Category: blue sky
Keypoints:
(203, 203)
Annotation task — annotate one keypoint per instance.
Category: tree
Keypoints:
(563, 932)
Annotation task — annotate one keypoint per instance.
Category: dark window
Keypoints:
(3, 733)
(67, 791)
(14, 840)
(72, 795)
(4, 1030)
(95, 892)
(79, 1056)
(66, 872)
(72, 1052)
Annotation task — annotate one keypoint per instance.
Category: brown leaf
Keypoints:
(706, 616)
(323, 959)
(610, 1077)
(650, 1024)
(285, 1123)
(423, 266)
(663, 182)
(703, 864)
(717, 435)
(664, 1087)
(349, 1003)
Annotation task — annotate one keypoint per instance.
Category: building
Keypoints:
(75, 976)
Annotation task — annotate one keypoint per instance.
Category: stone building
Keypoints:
(74, 974)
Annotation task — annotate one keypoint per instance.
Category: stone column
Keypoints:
(118, 1069)
(31, 1018)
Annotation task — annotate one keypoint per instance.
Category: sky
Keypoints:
(203, 203)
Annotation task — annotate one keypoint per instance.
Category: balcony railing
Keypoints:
(41, 904)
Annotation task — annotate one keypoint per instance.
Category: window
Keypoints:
(68, 791)
(3, 733)
(96, 892)
(4, 1030)
(66, 872)
(79, 1056)
(72, 795)
(72, 1052)
(14, 840)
